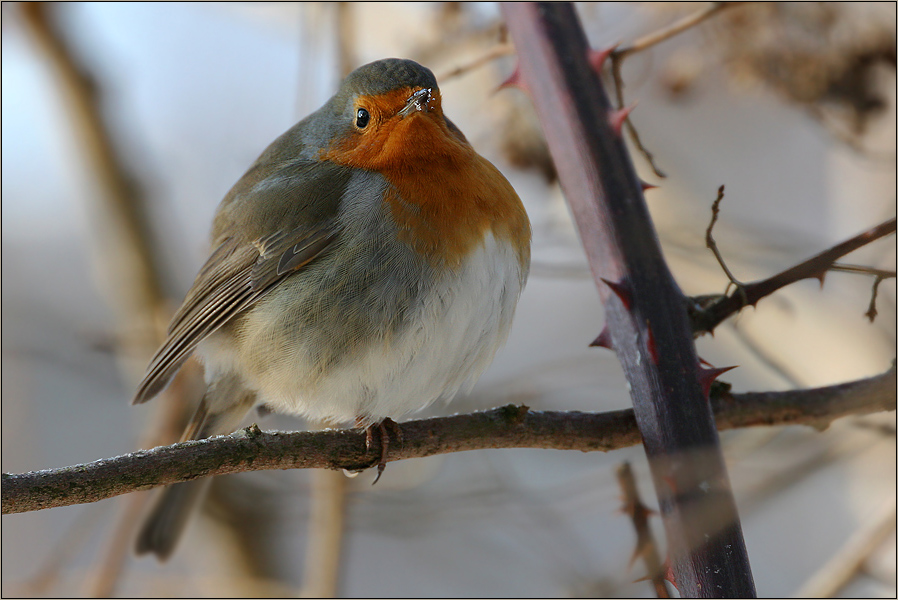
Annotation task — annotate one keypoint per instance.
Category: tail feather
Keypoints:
(162, 529)
(221, 410)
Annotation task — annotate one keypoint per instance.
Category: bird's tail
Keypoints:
(221, 410)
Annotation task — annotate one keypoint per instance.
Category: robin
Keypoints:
(366, 265)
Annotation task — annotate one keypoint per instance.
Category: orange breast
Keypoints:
(443, 211)
(445, 197)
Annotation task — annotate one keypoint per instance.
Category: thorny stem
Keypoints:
(619, 54)
(631, 130)
(643, 305)
(645, 541)
(709, 312)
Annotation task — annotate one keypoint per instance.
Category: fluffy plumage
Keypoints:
(361, 269)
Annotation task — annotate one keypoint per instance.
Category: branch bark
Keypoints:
(510, 426)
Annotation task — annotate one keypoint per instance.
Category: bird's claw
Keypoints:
(382, 428)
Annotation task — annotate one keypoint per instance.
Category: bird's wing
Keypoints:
(235, 277)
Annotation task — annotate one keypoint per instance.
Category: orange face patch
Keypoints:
(389, 138)
(444, 196)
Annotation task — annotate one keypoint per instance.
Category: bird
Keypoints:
(368, 264)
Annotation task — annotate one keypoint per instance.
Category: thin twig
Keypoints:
(863, 270)
(647, 41)
(712, 245)
(709, 311)
(879, 275)
(645, 541)
(616, 63)
(510, 426)
(676, 28)
(496, 52)
(871, 308)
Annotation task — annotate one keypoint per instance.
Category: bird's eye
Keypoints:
(361, 118)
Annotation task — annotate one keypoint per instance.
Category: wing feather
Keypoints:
(233, 279)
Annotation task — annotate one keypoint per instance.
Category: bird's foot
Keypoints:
(384, 429)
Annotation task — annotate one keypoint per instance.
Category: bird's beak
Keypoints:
(416, 102)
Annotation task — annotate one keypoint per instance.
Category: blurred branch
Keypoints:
(457, 30)
(347, 54)
(496, 52)
(125, 246)
(710, 311)
(327, 525)
(645, 541)
(102, 580)
(124, 252)
(619, 54)
(49, 572)
(845, 565)
(676, 28)
(510, 426)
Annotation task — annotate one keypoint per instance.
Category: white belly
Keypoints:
(446, 345)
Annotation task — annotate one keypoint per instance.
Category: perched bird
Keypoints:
(368, 264)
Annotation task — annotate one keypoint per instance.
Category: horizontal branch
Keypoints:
(510, 426)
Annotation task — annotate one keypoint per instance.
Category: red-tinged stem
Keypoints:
(706, 549)
(704, 320)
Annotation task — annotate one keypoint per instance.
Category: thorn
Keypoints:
(642, 511)
(604, 339)
(668, 573)
(597, 58)
(641, 579)
(707, 376)
(704, 362)
(821, 277)
(616, 118)
(514, 80)
(638, 551)
(647, 186)
(650, 345)
(622, 291)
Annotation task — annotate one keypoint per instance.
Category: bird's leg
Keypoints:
(382, 428)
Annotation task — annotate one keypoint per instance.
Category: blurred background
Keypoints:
(123, 125)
